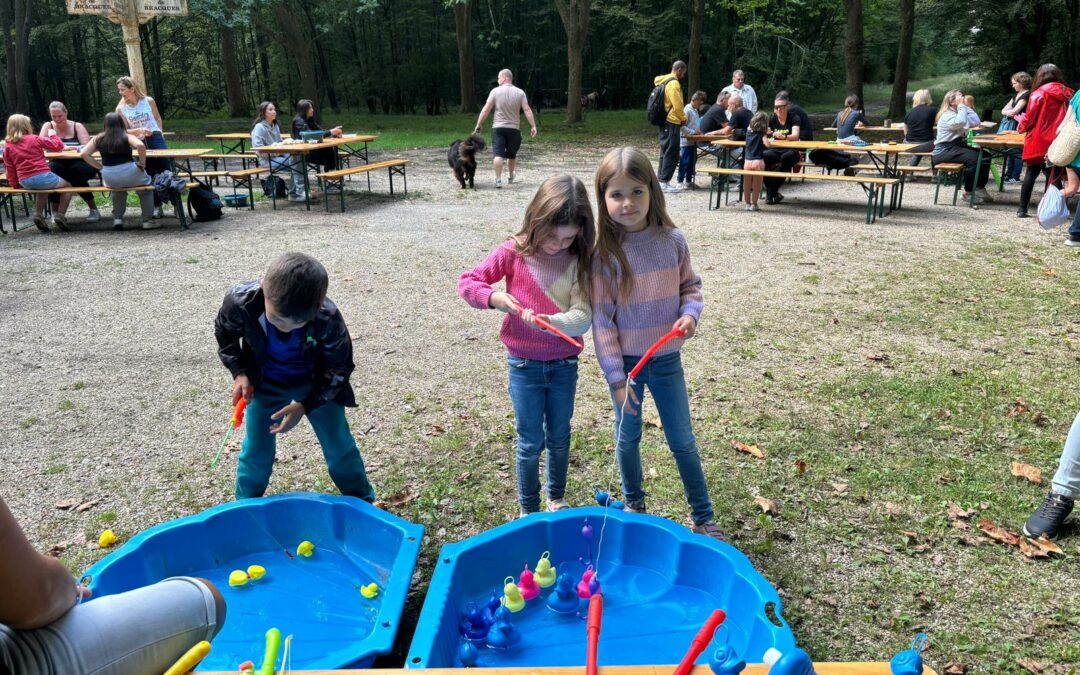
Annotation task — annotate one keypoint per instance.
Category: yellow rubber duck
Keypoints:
(544, 576)
(238, 578)
(512, 597)
(369, 591)
(306, 548)
(107, 539)
(256, 572)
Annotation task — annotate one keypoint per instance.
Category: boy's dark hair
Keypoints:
(296, 285)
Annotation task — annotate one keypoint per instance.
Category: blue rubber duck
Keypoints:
(468, 654)
(564, 599)
(473, 625)
(909, 661)
(503, 634)
(493, 604)
(726, 661)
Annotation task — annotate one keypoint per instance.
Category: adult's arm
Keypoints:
(154, 111)
(486, 110)
(528, 115)
(81, 133)
(971, 119)
(44, 133)
(35, 590)
(88, 154)
(140, 148)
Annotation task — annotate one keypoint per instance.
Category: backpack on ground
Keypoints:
(655, 109)
(203, 205)
(274, 186)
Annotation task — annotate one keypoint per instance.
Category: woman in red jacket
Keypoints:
(24, 162)
(1047, 105)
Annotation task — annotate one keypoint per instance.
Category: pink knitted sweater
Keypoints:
(546, 284)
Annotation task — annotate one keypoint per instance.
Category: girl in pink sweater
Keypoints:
(25, 166)
(546, 269)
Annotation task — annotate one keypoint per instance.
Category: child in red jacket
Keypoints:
(24, 161)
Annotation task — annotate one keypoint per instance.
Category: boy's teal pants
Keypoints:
(338, 446)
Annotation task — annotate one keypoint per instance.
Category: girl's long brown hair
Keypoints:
(851, 103)
(609, 234)
(946, 103)
(560, 200)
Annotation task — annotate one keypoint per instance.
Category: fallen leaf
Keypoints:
(1031, 550)
(435, 430)
(401, 498)
(958, 516)
(800, 467)
(1024, 451)
(57, 549)
(748, 449)
(86, 506)
(840, 488)
(1050, 272)
(464, 476)
(1022, 470)
(892, 509)
(1031, 665)
(654, 422)
(67, 503)
(968, 540)
(911, 537)
(955, 668)
(768, 506)
(880, 358)
(1017, 407)
(998, 534)
(1040, 419)
(1047, 545)
(943, 414)
(347, 279)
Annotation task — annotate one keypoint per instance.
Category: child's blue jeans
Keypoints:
(664, 377)
(687, 163)
(339, 448)
(542, 393)
(1067, 479)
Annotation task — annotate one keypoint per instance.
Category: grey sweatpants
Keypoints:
(134, 633)
(128, 175)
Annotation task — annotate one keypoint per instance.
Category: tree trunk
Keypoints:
(854, 45)
(575, 19)
(466, 68)
(296, 44)
(898, 102)
(17, 20)
(233, 91)
(697, 20)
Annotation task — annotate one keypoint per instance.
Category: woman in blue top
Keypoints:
(144, 123)
(849, 118)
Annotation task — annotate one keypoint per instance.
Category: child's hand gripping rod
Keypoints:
(701, 641)
(596, 611)
(546, 325)
(237, 420)
(671, 335)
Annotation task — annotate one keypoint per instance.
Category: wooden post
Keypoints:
(129, 23)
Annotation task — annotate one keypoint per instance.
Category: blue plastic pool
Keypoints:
(660, 583)
(315, 599)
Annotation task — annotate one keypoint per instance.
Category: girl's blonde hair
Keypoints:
(946, 102)
(129, 83)
(922, 97)
(759, 122)
(609, 253)
(851, 104)
(17, 127)
(560, 200)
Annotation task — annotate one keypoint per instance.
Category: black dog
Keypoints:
(462, 158)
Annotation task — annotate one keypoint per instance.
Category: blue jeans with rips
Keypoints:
(332, 429)
(663, 375)
(542, 393)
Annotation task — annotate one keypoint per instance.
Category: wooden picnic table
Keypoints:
(181, 156)
(993, 146)
(880, 668)
(343, 144)
(231, 142)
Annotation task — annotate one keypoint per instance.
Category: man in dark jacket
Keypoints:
(290, 355)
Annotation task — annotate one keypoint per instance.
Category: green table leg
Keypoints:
(978, 170)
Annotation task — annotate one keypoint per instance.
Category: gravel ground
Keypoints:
(112, 389)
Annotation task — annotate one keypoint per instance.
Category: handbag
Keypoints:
(1066, 144)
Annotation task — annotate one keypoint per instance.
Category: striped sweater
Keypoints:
(547, 284)
(665, 289)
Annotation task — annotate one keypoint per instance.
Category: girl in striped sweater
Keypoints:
(546, 269)
(643, 287)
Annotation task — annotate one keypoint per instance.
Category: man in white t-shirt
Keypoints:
(739, 86)
(508, 102)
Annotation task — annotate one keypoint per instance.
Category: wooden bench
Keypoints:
(245, 179)
(224, 157)
(946, 172)
(872, 185)
(337, 177)
(7, 195)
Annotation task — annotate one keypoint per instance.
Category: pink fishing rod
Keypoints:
(546, 325)
(674, 333)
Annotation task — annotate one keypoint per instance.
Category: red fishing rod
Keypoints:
(546, 325)
(701, 641)
(596, 611)
(671, 335)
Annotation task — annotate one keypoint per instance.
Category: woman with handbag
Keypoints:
(1045, 109)
(1069, 137)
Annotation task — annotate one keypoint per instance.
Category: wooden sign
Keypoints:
(100, 7)
(162, 8)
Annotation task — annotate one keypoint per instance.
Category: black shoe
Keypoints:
(849, 172)
(1050, 517)
(778, 198)
(770, 201)
(1021, 212)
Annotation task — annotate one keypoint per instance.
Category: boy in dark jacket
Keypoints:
(290, 355)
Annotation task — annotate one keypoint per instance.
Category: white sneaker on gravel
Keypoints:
(151, 225)
(158, 212)
(94, 217)
(668, 187)
(297, 198)
(498, 183)
(117, 223)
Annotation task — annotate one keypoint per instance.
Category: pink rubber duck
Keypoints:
(589, 584)
(528, 585)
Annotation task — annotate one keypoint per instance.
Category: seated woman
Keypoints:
(144, 121)
(849, 119)
(919, 124)
(46, 629)
(24, 162)
(267, 132)
(305, 121)
(75, 171)
(950, 146)
(120, 170)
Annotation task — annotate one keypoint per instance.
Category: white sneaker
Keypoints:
(981, 193)
(680, 185)
(668, 187)
(94, 217)
(297, 198)
(1075, 243)
(117, 223)
(498, 183)
(158, 213)
(557, 505)
(510, 178)
(151, 225)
